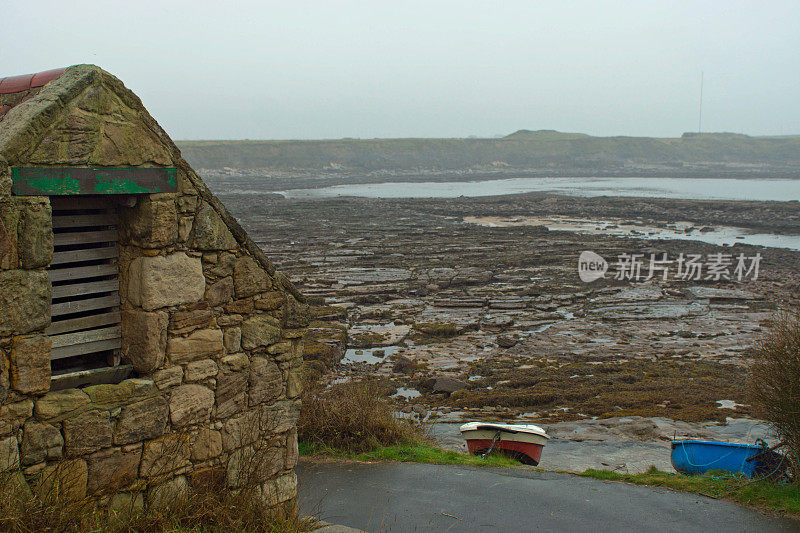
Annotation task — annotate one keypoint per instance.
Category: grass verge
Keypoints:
(354, 421)
(409, 453)
(764, 494)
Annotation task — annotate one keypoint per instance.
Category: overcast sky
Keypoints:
(431, 68)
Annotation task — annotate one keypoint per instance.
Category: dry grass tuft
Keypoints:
(775, 381)
(352, 417)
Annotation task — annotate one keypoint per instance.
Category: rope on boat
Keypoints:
(494, 441)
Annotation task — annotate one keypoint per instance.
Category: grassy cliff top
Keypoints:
(521, 149)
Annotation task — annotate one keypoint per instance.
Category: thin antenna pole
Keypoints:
(700, 117)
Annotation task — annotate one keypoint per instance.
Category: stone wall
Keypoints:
(212, 330)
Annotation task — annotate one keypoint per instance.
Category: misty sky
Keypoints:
(432, 68)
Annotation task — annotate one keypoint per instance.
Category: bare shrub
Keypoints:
(352, 417)
(775, 381)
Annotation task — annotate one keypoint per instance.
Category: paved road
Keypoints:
(415, 497)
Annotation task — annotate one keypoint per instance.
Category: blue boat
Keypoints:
(699, 456)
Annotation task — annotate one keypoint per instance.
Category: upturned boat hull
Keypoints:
(523, 442)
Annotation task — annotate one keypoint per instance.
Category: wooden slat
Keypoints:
(84, 237)
(84, 288)
(89, 304)
(92, 254)
(82, 220)
(75, 324)
(85, 337)
(85, 349)
(83, 272)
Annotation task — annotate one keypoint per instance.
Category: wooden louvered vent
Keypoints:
(85, 329)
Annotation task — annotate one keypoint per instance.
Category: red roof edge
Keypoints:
(25, 82)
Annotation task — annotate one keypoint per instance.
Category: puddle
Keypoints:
(539, 329)
(403, 392)
(368, 355)
(728, 404)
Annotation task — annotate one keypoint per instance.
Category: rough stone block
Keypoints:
(112, 469)
(142, 420)
(168, 378)
(232, 339)
(254, 464)
(109, 394)
(234, 362)
(292, 449)
(266, 381)
(225, 321)
(12, 415)
(200, 370)
(201, 344)
(191, 319)
(165, 455)
(207, 445)
(59, 403)
(260, 330)
(5, 383)
(30, 364)
(36, 234)
(281, 416)
(164, 495)
(9, 454)
(123, 507)
(210, 480)
(164, 281)
(249, 277)
(40, 442)
(295, 314)
(220, 293)
(9, 223)
(210, 232)
(231, 393)
(279, 490)
(187, 203)
(144, 339)
(24, 301)
(223, 267)
(270, 301)
(294, 382)
(242, 430)
(87, 432)
(190, 404)
(151, 224)
(63, 481)
(142, 388)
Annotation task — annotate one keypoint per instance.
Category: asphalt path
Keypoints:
(420, 497)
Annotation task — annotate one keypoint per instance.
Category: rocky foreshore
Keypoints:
(465, 321)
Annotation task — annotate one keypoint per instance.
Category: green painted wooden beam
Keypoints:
(68, 181)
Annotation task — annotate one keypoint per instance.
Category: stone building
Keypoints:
(147, 344)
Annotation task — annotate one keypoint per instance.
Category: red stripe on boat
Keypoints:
(534, 451)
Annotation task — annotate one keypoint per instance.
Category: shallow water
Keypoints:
(683, 188)
(686, 231)
(367, 355)
(406, 393)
